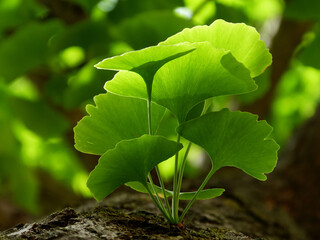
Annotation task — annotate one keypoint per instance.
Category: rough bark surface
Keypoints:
(127, 215)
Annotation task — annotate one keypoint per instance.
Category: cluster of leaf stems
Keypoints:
(172, 213)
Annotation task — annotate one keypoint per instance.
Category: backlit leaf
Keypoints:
(146, 62)
(234, 139)
(131, 160)
(188, 80)
(113, 119)
(242, 40)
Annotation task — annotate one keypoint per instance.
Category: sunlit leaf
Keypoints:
(148, 59)
(234, 139)
(113, 119)
(187, 81)
(240, 39)
(131, 160)
(146, 62)
(204, 194)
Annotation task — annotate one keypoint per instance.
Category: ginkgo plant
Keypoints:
(178, 75)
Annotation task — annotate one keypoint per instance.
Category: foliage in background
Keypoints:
(46, 76)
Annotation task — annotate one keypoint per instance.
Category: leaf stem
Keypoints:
(167, 216)
(212, 171)
(167, 210)
(149, 114)
(163, 190)
(158, 200)
(181, 171)
(175, 206)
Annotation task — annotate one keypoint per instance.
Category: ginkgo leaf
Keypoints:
(242, 40)
(113, 119)
(146, 62)
(188, 80)
(203, 195)
(234, 139)
(131, 160)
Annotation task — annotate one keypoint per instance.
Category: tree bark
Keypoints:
(128, 215)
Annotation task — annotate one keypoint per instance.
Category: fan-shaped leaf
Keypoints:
(113, 119)
(242, 40)
(146, 62)
(234, 139)
(131, 160)
(186, 81)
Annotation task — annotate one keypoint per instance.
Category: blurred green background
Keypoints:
(47, 52)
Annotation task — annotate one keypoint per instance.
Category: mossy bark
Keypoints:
(127, 215)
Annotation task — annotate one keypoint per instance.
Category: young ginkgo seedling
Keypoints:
(178, 75)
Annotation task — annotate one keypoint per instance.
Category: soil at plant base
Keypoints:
(128, 215)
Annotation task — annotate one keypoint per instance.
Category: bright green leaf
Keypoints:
(131, 160)
(204, 194)
(188, 80)
(234, 139)
(242, 40)
(113, 119)
(146, 62)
